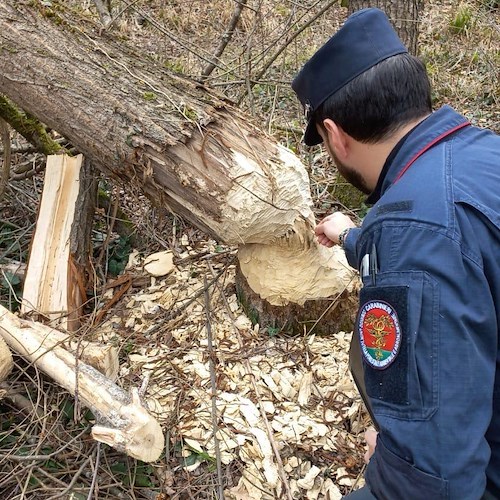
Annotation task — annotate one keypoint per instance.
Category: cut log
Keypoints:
(54, 286)
(122, 420)
(172, 138)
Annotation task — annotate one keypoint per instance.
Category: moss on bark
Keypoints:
(28, 126)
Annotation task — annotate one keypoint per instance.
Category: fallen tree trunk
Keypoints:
(171, 138)
(165, 135)
(122, 420)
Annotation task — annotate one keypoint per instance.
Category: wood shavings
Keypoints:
(307, 482)
(159, 263)
(308, 398)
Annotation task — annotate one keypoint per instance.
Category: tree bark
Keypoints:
(404, 15)
(168, 136)
(172, 138)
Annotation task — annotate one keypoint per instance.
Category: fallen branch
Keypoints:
(123, 421)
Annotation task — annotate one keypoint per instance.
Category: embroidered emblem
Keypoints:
(379, 333)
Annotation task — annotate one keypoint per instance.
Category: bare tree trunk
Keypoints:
(404, 15)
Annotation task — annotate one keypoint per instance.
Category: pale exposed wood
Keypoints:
(6, 362)
(47, 286)
(103, 357)
(122, 420)
(296, 269)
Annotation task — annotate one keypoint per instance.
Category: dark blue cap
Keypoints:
(366, 38)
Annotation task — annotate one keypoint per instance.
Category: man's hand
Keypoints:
(371, 442)
(328, 230)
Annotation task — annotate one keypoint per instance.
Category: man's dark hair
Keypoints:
(381, 100)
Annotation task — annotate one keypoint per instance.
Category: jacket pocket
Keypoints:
(397, 326)
(409, 483)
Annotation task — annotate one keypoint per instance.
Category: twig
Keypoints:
(174, 37)
(226, 37)
(21, 402)
(128, 6)
(103, 13)
(28, 458)
(213, 385)
(4, 176)
(285, 44)
(288, 41)
(96, 470)
(73, 480)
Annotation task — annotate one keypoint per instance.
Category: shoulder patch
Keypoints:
(379, 333)
(397, 206)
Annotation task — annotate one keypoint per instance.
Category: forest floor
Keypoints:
(182, 341)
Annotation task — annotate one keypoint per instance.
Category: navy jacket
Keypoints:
(429, 255)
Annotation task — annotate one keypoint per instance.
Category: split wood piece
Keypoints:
(54, 287)
(123, 421)
(6, 361)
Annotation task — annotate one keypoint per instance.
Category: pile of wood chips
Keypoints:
(285, 407)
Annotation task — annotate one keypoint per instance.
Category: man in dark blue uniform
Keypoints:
(427, 331)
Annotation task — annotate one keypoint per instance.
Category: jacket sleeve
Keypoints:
(350, 247)
(428, 334)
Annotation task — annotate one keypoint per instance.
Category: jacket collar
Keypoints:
(427, 131)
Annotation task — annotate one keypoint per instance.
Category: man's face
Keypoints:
(351, 175)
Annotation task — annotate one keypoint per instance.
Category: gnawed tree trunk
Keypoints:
(404, 15)
(171, 138)
(122, 420)
(55, 281)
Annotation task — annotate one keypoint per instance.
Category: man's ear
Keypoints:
(337, 138)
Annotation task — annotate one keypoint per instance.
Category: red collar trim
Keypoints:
(428, 146)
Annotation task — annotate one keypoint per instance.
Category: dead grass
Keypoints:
(37, 418)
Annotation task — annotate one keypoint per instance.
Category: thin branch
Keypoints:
(4, 176)
(226, 37)
(174, 37)
(213, 386)
(286, 43)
